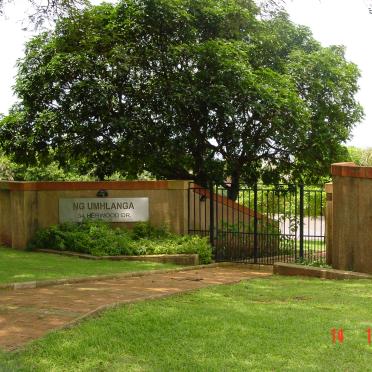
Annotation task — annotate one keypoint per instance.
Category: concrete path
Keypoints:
(27, 314)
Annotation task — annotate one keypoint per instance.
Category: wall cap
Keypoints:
(351, 170)
(92, 185)
(282, 268)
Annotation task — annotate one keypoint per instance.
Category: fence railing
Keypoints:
(264, 224)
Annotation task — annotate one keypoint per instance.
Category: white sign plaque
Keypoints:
(106, 209)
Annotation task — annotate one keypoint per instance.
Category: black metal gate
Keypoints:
(265, 224)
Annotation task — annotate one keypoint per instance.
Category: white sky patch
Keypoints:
(346, 22)
(12, 40)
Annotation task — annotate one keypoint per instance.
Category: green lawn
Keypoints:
(314, 245)
(311, 247)
(272, 324)
(21, 266)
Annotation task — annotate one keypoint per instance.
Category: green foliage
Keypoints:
(11, 171)
(206, 90)
(6, 168)
(284, 200)
(264, 226)
(92, 237)
(176, 245)
(314, 263)
(49, 172)
(360, 156)
(99, 239)
(144, 230)
(238, 238)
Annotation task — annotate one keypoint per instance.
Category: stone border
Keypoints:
(178, 259)
(49, 283)
(316, 272)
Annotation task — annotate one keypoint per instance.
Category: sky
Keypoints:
(344, 22)
(339, 22)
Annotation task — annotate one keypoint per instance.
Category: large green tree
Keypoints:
(207, 90)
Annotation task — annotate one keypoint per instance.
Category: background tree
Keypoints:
(42, 10)
(360, 156)
(203, 90)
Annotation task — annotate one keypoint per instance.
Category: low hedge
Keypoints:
(100, 239)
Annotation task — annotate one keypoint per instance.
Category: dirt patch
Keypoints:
(27, 314)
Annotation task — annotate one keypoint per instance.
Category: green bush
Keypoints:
(99, 239)
(91, 237)
(175, 244)
(144, 230)
(316, 262)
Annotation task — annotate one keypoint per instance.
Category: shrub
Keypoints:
(100, 239)
(314, 262)
(175, 244)
(143, 230)
(91, 237)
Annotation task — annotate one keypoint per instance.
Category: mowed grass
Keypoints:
(271, 324)
(314, 245)
(23, 266)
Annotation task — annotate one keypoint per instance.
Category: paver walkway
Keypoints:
(27, 314)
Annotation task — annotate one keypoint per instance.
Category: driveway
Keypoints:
(27, 314)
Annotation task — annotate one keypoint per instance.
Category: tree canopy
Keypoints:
(207, 90)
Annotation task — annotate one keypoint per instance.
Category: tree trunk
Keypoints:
(202, 180)
(233, 190)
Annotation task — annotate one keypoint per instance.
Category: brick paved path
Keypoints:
(27, 314)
